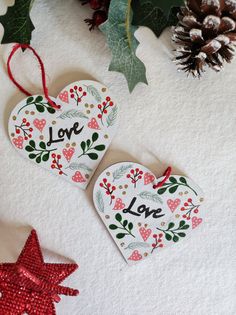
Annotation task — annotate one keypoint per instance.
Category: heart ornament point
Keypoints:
(70, 141)
(143, 220)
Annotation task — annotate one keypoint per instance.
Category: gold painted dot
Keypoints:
(163, 223)
(26, 112)
(139, 224)
(177, 216)
(12, 134)
(107, 217)
(86, 105)
(145, 225)
(108, 173)
(87, 176)
(67, 145)
(122, 244)
(123, 192)
(54, 122)
(91, 106)
(74, 144)
(126, 186)
(181, 194)
(145, 254)
(104, 90)
(41, 137)
(186, 192)
(120, 187)
(201, 199)
(88, 111)
(106, 136)
(32, 113)
(14, 117)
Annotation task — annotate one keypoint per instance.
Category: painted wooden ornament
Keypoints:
(69, 141)
(144, 219)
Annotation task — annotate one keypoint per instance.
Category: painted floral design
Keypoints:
(109, 188)
(77, 94)
(24, 128)
(135, 175)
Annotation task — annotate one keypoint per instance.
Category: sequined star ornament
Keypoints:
(30, 285)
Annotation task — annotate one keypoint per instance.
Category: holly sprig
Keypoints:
(173, 185)
(87, 147)
(172, 233)
(40, 105)
(39, 154)
(125, 226)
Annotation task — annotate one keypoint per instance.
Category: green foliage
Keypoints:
(87, 147)
(126, 226)
(173, 185)
(40, 154)
(17, 24)
(120, 37)
(173, 233)
(39, 104)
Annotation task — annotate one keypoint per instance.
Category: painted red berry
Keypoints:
(75, 87)
(26, 138)
(27, 124)
(128, 175)
(137, 170)
(60, 165)
(160, 235)
(139, 177)
(189, 200)
(60, 173)
(154, 235)
(113, 188)
(132, 171)
(80, 89)
(105, 111)
(159, 240)
(17, 131)
(99, 116)
(104, 103)
(182, 209)
(108, 185)
(54, 161)
(52, 166)
(111, 103)
(101, 184)
(58, 156)
(72, 96)
(188, 218)
(104, 180)
(30, 136)
(185, 204)
(71, 90)
(153, 245)
(184, 216)
(31, 129)
(112, 197)
(133, 181)
(53, 155)
(107, 192)
(108, 98)
(141, 172)
(195, 211)
(84, 93)
(99, 106)
(161, 245)
(79, 99)
(24, 120)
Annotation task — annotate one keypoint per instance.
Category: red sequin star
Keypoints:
(30, 285)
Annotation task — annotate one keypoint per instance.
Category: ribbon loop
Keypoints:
(45, 89)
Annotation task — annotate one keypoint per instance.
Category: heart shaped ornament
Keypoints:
(70, 141)
(143, 220)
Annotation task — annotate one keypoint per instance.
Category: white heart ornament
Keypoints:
(70, 141)
(143, 220)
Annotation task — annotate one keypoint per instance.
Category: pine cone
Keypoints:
(205, 34)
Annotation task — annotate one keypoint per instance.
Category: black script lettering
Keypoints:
(64, 132)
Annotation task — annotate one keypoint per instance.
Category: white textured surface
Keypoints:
(178, 121)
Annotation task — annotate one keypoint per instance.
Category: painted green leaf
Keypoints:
(161, 191)
(28, 148)
(32, 143)
(38, 159)
(17, 24)
(173, 189)
(171, 225)
(32, 156)
(100, 147)
(118, 217)
(88, 142)
(185, 227)
(156, 14)
(83, 145)
(40, 108)
(183, 180)
(93, 156)
(51, 110)
(113, 227)
(130, 226)
(46, 157)
(173, 180)
(181, 223)
(95, 136)
(29, 99)
(125, 223)
(168, 237)
(120, 235)
(42, 145)
(38, 99)
(181, 234)
(175, 238)
(120, 37)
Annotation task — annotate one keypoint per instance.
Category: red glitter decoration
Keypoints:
(30, 285)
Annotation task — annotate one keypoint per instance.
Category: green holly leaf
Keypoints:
(100, 147)
(156, 14)
(123, 44)
(173, 189)
(42, 145)
(93, 156)
(95, 136)
(28, 148)
(17, 24)
(118, 217)
(175, 238)
(120, 235)
(51, 110)
(168, 237)
(130, 226)
(46, 157)
(113, 227)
